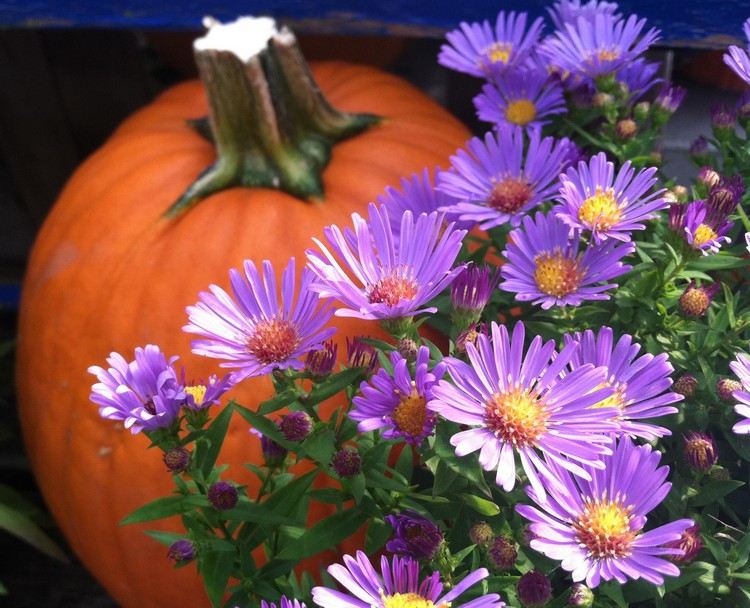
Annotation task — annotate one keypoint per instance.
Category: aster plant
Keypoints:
(571, 430)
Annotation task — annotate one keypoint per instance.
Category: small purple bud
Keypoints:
(471, 290)
(743, 107)
(361, 354)
(626, 128)
(177, 459)
(685, 385)
(723, 121)
(414, 536)
(694, 301)
(273, 453)
(296, 426)
(690, 543)
(481, 534)
(725, 387)
(725, 194)
(534, 589)
(708, 176)
(670, 98)
(223, 496)
(699, 147)
(319, 363)
(700, 451)
(581, 595)
(502, 553)
(181, 551)
(346, 462)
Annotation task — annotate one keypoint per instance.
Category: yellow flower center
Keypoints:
(518, 416)
(604, 528)
(392, 289)
(704, 234)
(411, 413)
(510, 195)
(557, 275)
(616, 399)
(607, 54)
(409, 600)
(600, 210)
(499, 52)
(198, 393)
(273, 340)
(520, 112)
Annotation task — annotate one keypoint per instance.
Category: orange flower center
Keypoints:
(411, 413)
(392, 289)
(600, 210)
(499, 52)
(518, 416)
(607, 54)
(704, 234)
(604, 528)
(557, 275)
(273, 340)
(509, 195)
(520, 112)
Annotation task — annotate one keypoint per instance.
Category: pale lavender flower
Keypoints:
(378, 279)
(595, 527)
(480, 50)
(741, 368)
(568, 11)
(397, 583)
(283, 603)
(738, 61)
(522, 97)
(545, 266)
(205, 393)
(610, 205)
(641, 383)
(520, 404)
(703, 226)
(256, 332)
(496, 182)
(396, 402)
(670, 98)
(600, 46)
(145, 394)
(639, 76)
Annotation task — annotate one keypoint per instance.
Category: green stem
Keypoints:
(271, 125)
(743, 217)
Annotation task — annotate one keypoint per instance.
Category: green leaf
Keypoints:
(167, 506)
(165, 538)
(356, 486)
(714, 490)
(326, 533)
(283, 399)
(613, 590)
(321, 445)
(334, 384)
(717, 262)
(480, 505)
(741, 552)
(378, 533)
(405, 462)
(215, 565)
(740, 444)
(19, 525)
(257, 513)
(215, 435)
(265, 426)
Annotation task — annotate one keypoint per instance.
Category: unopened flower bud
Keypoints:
(296, 426)
(181, 551)
(414, 536)
(694, 301)
(471, 290)
(177, 459)
(581, 595)
(223, 496)
(502, 553)
(700, 451)
(690, 543)
(602, 100)
(407, 348)
(685, 385)
(641, 111)
(626, 128)
(534, 589)
(681, 193)
(361, 354)
(708, 177)
(320, 362)
(719, 474)
(726, 386)
(346, 462)
(481, 534)
(723, 121)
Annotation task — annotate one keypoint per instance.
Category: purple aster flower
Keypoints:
(474, 48)
(568, 11)
(670, 98)
(738, 61)
(283, 603)
(741, 368)
(641, 383)
(502, 553)
(725, 388)
(544, 265)
(595, 527)
(205, 393)
(639, 76)
(695, 301)
(496, 183)
(471, 291)
(703, 226)
(255, 332)
(600, 46)
(397, 584)
(145, 393)
(418, 195)
(610, 205)
(414, 536)
(521, 97)
(396, 402)
(521, 404)
(386, 281)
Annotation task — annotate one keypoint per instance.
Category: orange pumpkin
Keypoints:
(108, 273)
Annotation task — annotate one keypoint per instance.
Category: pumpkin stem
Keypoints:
(271, 124)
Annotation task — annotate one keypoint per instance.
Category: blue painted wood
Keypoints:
(708, 23)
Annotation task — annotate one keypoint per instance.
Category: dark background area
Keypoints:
(64, 91)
